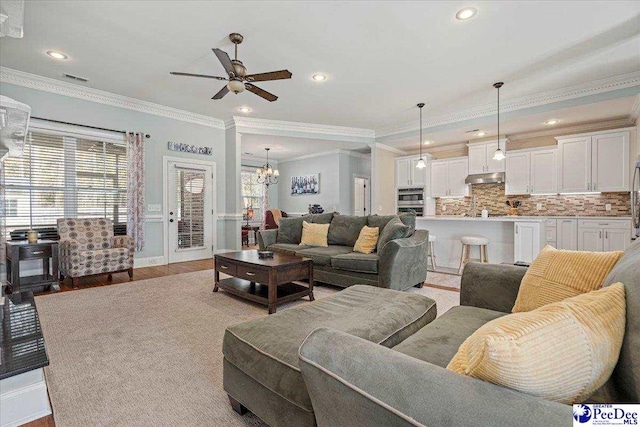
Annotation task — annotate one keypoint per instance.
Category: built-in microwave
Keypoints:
(411, 200)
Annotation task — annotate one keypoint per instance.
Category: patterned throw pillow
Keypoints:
(367, 240)
(314, 234)
(562, 352)
(558, 274)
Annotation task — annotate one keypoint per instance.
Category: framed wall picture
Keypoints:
(305, 184)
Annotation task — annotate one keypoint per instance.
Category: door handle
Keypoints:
(171, 220)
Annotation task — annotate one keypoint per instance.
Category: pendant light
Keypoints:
(421, 164)
(499, 154)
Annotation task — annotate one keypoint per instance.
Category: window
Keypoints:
(252, 194)
(65, 175)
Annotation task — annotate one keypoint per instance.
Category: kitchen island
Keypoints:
(508, 243)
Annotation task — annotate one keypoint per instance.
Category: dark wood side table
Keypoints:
(249, 228)
(22, 250)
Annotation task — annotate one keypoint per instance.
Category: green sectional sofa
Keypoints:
(400, 264)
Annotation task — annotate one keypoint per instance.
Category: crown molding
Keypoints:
(599, 132)
(46, 84)
(327, 153)
(255, 124)
(571, 92)
(388, 148)
(586, 127)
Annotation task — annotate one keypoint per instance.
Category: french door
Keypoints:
(189, 211)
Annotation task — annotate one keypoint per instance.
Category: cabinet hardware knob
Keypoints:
(38, 252)
(224, 266)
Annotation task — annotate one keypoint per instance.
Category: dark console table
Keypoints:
(45, 250)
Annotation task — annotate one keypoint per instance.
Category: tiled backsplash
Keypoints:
(492, 198)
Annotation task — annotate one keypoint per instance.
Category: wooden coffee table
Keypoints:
(266, 281)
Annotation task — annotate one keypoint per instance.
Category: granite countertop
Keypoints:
(514, 218)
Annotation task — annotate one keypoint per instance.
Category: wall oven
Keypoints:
(411, 199)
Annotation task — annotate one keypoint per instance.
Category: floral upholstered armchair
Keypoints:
(88, 248)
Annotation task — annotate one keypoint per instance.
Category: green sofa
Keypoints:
(400, 264)
(354, 382)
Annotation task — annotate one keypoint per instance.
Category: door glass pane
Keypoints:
(190, 194)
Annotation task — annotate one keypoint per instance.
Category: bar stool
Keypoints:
(432, 251)
(467, 242)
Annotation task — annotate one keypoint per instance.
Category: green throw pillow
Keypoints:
(394, 229)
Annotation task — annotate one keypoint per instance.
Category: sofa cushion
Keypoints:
(379, 221)
(345, 229)
(323, 218)
(559, 274)
(285, 248)
(561, 352)
(322, 256)
(266, 349)
(394, 229)
(409, 219)
(355, 261)
(439, 341)
(290, 229)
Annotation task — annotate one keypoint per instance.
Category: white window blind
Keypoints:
(190, 194)
(252, 194)
(65, 176)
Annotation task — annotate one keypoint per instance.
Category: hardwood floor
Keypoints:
(138, 274)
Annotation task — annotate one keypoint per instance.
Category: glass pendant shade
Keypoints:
(421, 164)
(498, 155)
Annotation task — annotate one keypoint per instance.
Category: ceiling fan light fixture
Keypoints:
(235, 86)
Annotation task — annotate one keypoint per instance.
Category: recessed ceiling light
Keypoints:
(551, 122)
(244, 109)
(57, 55)
(481, 133)
(427, 142)
(466, 13)
(319, 77)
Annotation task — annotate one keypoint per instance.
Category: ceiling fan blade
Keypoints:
(260, 92)
(224, 59)
(175, 73)
(222, 93)
(272, 75)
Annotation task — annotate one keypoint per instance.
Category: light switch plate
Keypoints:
(444, 208)
(538, 206)
(607, 207)
(154, 208)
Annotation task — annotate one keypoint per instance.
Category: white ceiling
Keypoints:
(288, 147)
(619, 108)
(381, 57)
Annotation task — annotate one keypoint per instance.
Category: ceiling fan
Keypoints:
(238, 78)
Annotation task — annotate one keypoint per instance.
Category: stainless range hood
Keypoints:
(485, 178)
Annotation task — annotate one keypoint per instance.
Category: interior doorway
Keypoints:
(361, 195)
(189, 210)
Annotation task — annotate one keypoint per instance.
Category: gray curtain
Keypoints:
(135, 189)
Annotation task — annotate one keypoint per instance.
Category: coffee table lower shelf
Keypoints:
(260, 292)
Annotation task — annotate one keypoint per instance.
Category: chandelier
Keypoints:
(266, 174)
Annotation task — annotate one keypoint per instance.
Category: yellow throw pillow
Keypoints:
(562, 352)
(367, 240)
(558, 274)
(314, 234)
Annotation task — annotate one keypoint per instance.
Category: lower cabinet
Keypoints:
(603, 235)
(529, 240)
(567, 234)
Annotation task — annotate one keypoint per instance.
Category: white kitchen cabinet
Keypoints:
(544, 172)
(610, 162)
(593, 162)
(529, 241)
(552, 232)
(439, 181)
(408, 175)
(481, 157)
(604, 235)
(403, 173)
(531, 172)
(448, 176)
(567, 234)
(517, 173)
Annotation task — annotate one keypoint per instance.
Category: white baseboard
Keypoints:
(149, 261)
(23, 399)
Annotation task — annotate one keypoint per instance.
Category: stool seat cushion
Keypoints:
(474, 240)
(432, 238)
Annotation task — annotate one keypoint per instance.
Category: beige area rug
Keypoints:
(149, 353)
(442, 280)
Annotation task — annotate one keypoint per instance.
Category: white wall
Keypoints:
(336, 171)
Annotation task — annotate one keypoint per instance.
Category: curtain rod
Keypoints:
(85, 126)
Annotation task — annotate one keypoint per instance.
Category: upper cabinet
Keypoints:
(481, 157)
(594, 162)
(448, 176)
(408, 174)
(531, 172)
